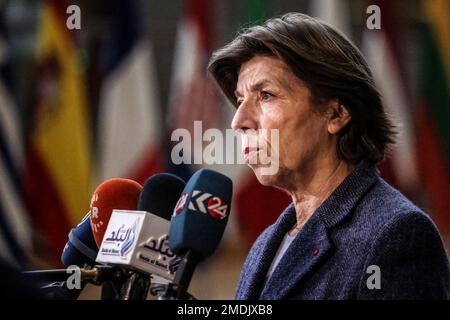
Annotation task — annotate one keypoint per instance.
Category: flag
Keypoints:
(399, 166)
(433, 111)
(418, 163)
(193, 97)
(379, 47)
(129, 137)
(15, 228)
(57, 175)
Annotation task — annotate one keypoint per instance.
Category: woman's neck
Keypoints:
(319, 187)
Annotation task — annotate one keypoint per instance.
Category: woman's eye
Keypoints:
(266, 95)
(239, 101)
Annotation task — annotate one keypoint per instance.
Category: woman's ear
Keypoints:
(339, 116)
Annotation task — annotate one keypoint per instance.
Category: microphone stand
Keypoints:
(98, 273)
(136, 287)
(112, 280)
(178, 289)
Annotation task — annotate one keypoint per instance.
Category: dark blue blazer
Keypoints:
(364, 222)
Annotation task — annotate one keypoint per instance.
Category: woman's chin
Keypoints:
(264, 176)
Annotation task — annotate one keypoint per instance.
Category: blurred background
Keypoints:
(81, 106)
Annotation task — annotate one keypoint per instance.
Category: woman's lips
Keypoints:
(249, 152)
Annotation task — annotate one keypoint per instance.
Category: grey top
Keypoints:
(364, 222)
(287, 240)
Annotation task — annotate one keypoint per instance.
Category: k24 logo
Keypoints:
(203, 202)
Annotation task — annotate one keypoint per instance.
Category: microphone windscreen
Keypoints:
(201, 214)
(160, 194)
(81, 248)
(116, 193)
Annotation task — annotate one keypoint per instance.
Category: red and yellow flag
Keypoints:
(58, 165)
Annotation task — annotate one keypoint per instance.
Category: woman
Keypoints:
(347, 234)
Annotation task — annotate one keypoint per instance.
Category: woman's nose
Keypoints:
(245, 117)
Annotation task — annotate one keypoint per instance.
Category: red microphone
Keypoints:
(117, 193)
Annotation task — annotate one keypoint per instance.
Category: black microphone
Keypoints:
(159, 196)
(198, 223)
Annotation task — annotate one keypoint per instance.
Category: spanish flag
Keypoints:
(58, 165)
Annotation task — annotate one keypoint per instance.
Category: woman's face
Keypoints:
(270, 96)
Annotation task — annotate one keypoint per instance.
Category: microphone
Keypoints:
(81, 248)
(137, 239)
(160, 194)
(116, 193)
(198, 223)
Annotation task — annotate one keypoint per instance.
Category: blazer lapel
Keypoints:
(310, 247)
(255, 275)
